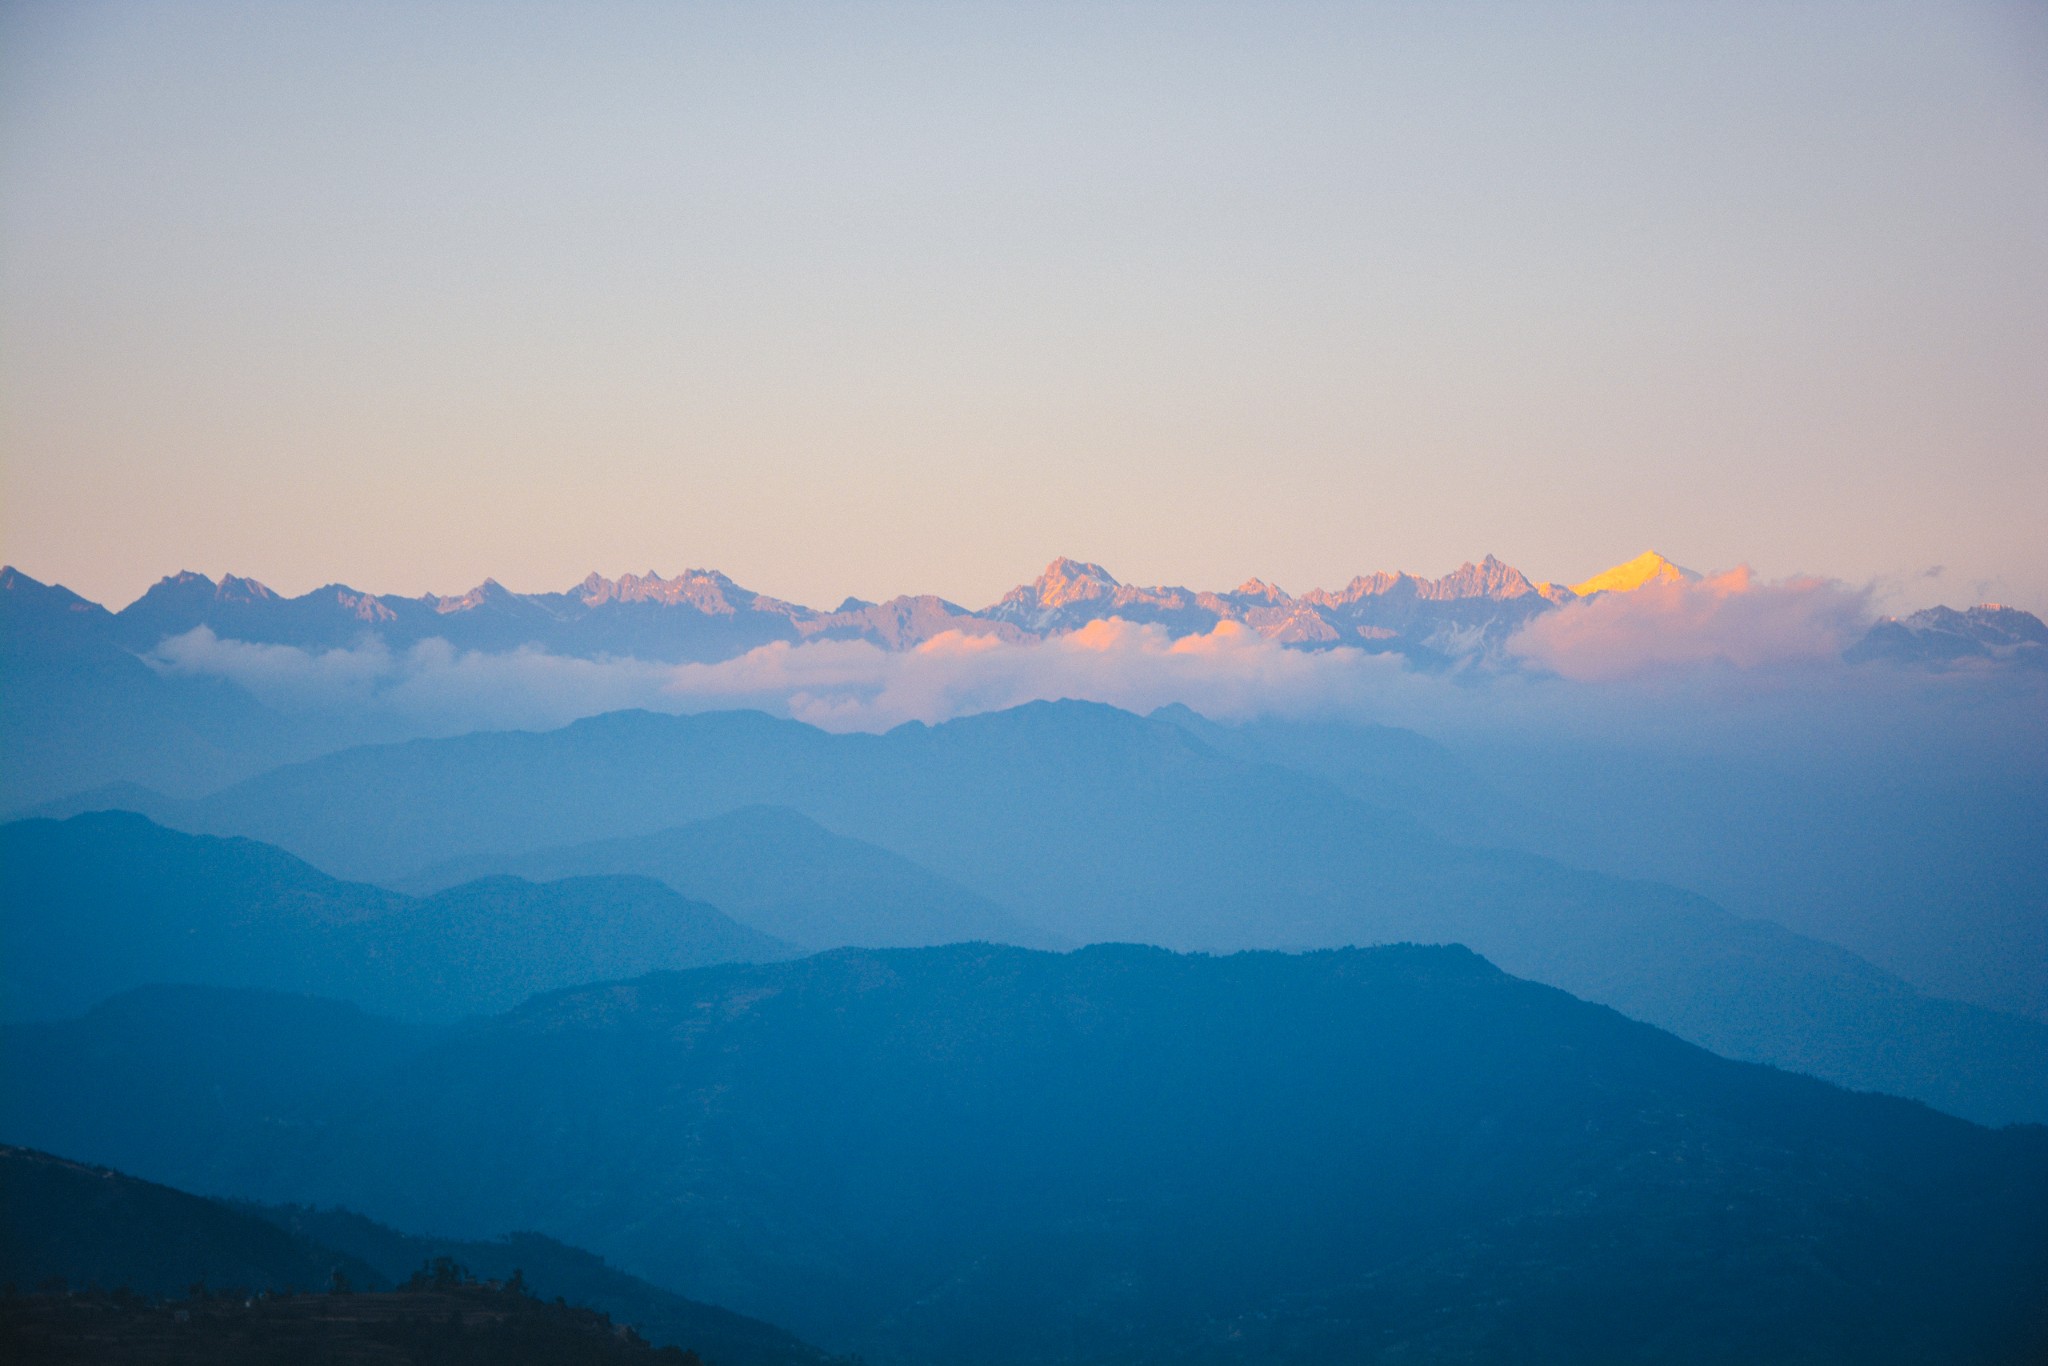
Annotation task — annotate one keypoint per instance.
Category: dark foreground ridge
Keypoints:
(1120, 1155)
(447, 1321)
(96, 1266)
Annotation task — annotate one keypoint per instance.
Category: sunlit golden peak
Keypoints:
(1646, 568)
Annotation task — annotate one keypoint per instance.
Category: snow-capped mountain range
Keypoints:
(701, 615)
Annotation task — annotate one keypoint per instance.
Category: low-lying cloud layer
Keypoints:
(839, 685)
(1719, 647)
(1726, 619)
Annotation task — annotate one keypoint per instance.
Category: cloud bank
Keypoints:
(1727, 620)
(838, 685)
(1726, 653)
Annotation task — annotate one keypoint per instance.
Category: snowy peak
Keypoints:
(1942, 636)
(1064, 584)
(489, 593)
(707, 590)
(1490, 578)
(362, 606)
(1646, 568)
(190, 587)
(1258, 590)
(233, 588)
(701, 615)
(1068, 581)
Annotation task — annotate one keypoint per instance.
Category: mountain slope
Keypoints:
(206, 1066)
(86, 1226)
(1098, 825)
(108, 901)
(1383, 766)
(78, 710)
(987, 1154)
(443, 1319)
(783, 874)
(550, 1269)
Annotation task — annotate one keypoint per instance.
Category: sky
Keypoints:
(869, 299)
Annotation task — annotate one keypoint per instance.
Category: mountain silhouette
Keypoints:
(782, 873)
(80, 710)
(105, 902)
(1942, 636)
(1122, 1154)
(87, 1226)
(82, 1226)
(702, 616)
(1095, 824)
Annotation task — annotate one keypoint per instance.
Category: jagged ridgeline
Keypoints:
(700, 615)
(83, 708)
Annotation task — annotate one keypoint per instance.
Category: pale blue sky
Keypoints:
(874, 298)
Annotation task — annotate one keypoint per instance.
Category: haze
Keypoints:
(908, 298)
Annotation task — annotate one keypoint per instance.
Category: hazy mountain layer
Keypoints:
(1913, 840)
(188, 1074)
(78, 709)
(783, 874)
(103, 903)
(985, 1154)
(1101, 825)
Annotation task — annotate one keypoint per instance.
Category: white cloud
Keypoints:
(840, 685)
(1727, 619)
